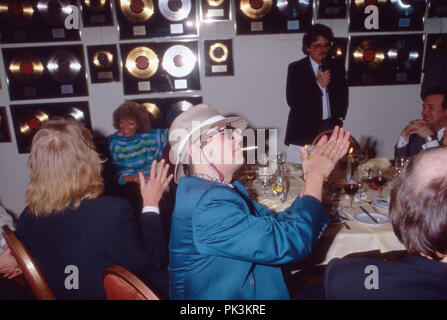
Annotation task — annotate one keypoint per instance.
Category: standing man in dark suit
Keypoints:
(317, 92)
(428, 132)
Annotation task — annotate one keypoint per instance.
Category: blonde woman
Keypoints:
(72, 231)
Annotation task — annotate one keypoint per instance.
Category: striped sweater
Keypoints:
(135, 154)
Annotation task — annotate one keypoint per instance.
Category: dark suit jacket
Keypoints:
(305, 102)
(412, 277)
(98, 234)
(413, 147)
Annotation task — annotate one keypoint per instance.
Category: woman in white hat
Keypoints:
(223, 245)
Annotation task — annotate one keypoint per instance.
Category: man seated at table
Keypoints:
(418, 212)
(429, 132)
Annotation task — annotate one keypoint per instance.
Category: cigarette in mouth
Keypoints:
(249, 148)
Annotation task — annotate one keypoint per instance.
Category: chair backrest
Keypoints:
(31, 271)
(352, 140)
(121, 284)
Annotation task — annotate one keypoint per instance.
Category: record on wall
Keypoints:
(437, 8)
(436, 47)
(331, 9)
(96, 13)
(215, 10)
(148, 18)
(26, 68)
(103, 62)
(165, 110)
(25, 21)
(160, 67)
(267, 16)
(392, 15)
(5, 134)
(218, 57)
(45, 72)
(385, 60)
(16, 14)
(27, 119)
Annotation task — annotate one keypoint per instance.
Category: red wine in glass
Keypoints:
(351, 189)
(380, 181)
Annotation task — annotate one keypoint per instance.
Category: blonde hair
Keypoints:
(64, 167)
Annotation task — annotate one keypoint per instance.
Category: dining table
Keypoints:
(342, 237)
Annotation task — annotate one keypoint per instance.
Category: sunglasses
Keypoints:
(227, 129)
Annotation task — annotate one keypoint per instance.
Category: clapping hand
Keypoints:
(326, 153)
(152, 189)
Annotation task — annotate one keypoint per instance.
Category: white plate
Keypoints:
(381, 203)
(363, 218)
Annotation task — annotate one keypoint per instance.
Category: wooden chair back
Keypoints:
(121, 284)
(31, 271)
(352, 140)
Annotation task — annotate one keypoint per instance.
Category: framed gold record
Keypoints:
(218, 52)
(26, 68)
(94, 5)
(153, 110)
(18, 13)
(142, 62)
(54, 12)
(215, 3)
(103, 58)
(256, 9)
(137, 10)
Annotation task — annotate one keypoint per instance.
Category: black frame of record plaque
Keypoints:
(103, 73)
(391, 17)
(22, 114)
(166, 107)
(328, 9)
(388, 70)
(46, 86)
(5, 133)
(218, 68)
(437, 9)
(37, 30)
(273, 22)
(157, 25)
(431, 39)
(161, 80)
(96, 18)
(219, 12)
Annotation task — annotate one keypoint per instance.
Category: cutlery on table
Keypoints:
(369, 215)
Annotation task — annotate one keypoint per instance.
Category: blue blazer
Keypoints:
(224, 246)
(98, 234)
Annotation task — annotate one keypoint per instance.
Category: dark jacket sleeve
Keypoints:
(137, 249)
(341, 90)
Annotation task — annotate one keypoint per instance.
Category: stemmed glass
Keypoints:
(262, 167)
(380, 179)
(351, 187)
(281, 160)
(278, 184)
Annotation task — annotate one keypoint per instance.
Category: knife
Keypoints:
(369, 215)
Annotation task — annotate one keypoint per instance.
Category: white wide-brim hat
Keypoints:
(189, 126)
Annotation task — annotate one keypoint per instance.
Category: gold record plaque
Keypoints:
(28, 118)
(385, 60)
(96, 13)
(142, 62)
(103, 63)
(256, 9)
(215, 10)
(160, 67)
(137, 11)
(26, 68)
(218, 57)
(16, 14)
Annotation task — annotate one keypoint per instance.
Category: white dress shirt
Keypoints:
(325, 98)
(431, 144)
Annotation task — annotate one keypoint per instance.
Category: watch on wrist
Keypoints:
(431, 138)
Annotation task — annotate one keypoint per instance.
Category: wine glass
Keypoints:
(262, 170)
(380, 179)
(281, 160)
(278, 185)
(351, 188)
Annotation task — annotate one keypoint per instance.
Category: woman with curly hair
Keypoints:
(135, 145)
